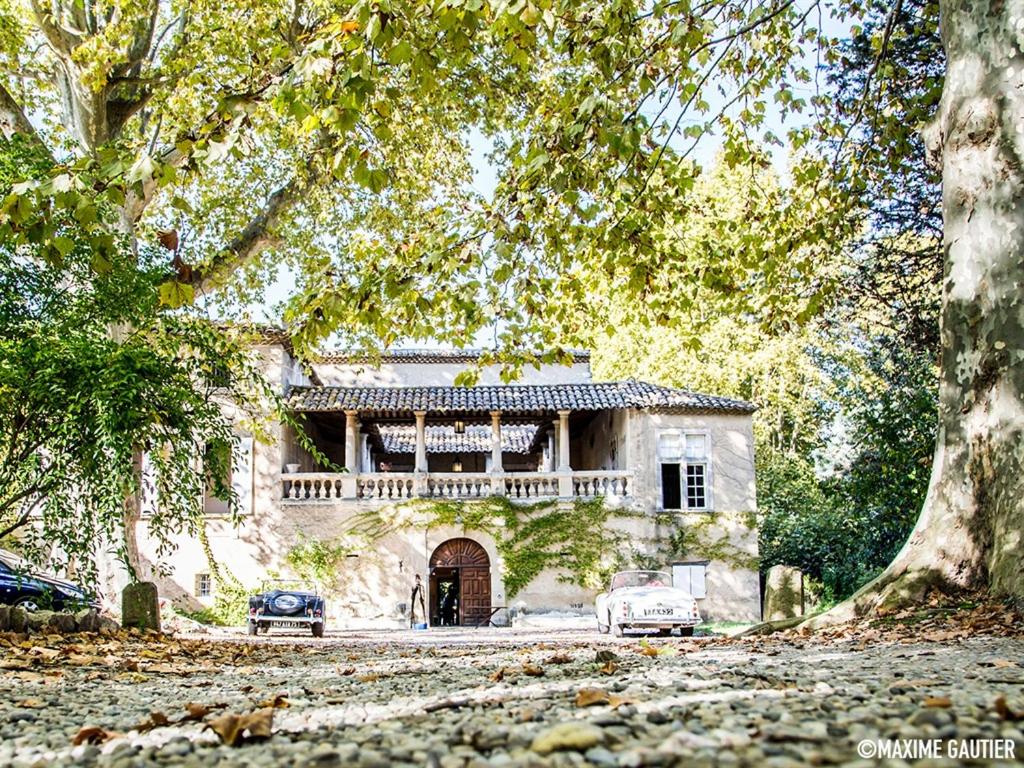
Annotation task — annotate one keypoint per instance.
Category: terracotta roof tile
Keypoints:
(401, 438)
(511, 399)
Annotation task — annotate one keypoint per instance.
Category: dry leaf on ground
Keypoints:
(608, 668)
(280, 701)
(938, 702)
(238, 729)
(92, 734)
(559, 658)
(1004, 711)
(532, 670)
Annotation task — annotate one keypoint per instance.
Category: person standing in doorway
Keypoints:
(417, 592)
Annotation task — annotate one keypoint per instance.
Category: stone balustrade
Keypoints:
(317, 487)
(457, 485)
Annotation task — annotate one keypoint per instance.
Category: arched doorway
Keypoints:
(460, 583)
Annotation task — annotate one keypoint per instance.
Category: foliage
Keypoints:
(694, 539)
(317, 560)
(882, 107)
(357, 117)
(94, 371)
(577, 539)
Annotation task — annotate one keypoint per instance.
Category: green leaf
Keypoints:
(175, 295)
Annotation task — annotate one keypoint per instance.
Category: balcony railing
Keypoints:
(316, 487)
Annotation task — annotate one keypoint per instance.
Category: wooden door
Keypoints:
(475, 592)
(474, 568)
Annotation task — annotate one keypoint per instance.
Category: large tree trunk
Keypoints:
(971, 531)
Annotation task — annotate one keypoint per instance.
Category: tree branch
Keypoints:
(255, 237)
(14, 122)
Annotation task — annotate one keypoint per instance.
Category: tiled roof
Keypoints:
(533, 399)
(419, 356)
(401, 438)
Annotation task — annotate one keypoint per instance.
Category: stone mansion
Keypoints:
(681, 464)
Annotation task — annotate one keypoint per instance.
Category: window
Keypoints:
(683, 460)
(204, 585)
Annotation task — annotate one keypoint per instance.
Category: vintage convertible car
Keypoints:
(285, 603)
(646, 600)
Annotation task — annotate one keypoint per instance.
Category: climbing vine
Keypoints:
(318, 560)
(230, 597)
(695, 539)
(573, 538)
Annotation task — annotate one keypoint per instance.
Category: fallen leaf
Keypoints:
(498, 675)
(238, 729)
(938, 702)
(559, 658)
(532, 670)
(603, 657)
(590, 697)
(648, 650)
(92, 734)
(1004, 711)
(196, 712)
(368, 678)
(155, 720)
(31, 704)
(608, 668)
(278, 702)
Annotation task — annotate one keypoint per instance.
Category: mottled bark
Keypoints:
(969, 535)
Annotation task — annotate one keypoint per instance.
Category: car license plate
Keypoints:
(658, 611)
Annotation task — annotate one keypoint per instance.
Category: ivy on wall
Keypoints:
(530, 538)
(695, 539)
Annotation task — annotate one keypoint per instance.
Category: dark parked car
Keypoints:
(33, 591)
(286, 604)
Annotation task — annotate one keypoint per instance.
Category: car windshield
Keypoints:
(641, 579)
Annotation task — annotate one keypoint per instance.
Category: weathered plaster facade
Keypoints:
(612, 452)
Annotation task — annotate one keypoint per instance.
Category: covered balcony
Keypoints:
(525, 452)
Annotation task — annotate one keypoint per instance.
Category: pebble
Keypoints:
(715, 705)
(577, 736)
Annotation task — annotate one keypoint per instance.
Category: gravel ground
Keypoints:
(500, 697)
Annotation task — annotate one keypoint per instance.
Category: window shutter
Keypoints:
(241, 475)
(690, 577)
(698, 583)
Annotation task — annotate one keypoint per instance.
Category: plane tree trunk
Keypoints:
(969, 535)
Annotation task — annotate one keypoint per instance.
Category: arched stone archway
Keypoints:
(460, 569)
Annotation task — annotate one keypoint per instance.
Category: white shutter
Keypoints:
(681, 577)
(698, 583)
(241, 474)
(690, 577)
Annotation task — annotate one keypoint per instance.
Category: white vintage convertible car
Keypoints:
(646, 600)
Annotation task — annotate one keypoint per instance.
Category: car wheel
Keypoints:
(686, 631)
(602, 628)
(617, 629)
(252, 628)
(318, 629)
(265, 627)
(28, 603)
(665, 631)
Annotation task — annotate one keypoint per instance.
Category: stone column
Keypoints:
(556, 425)
(564, 470)
(550, 467)
(563, 441)
(421, 441)
(497, 470)
(348, 482)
